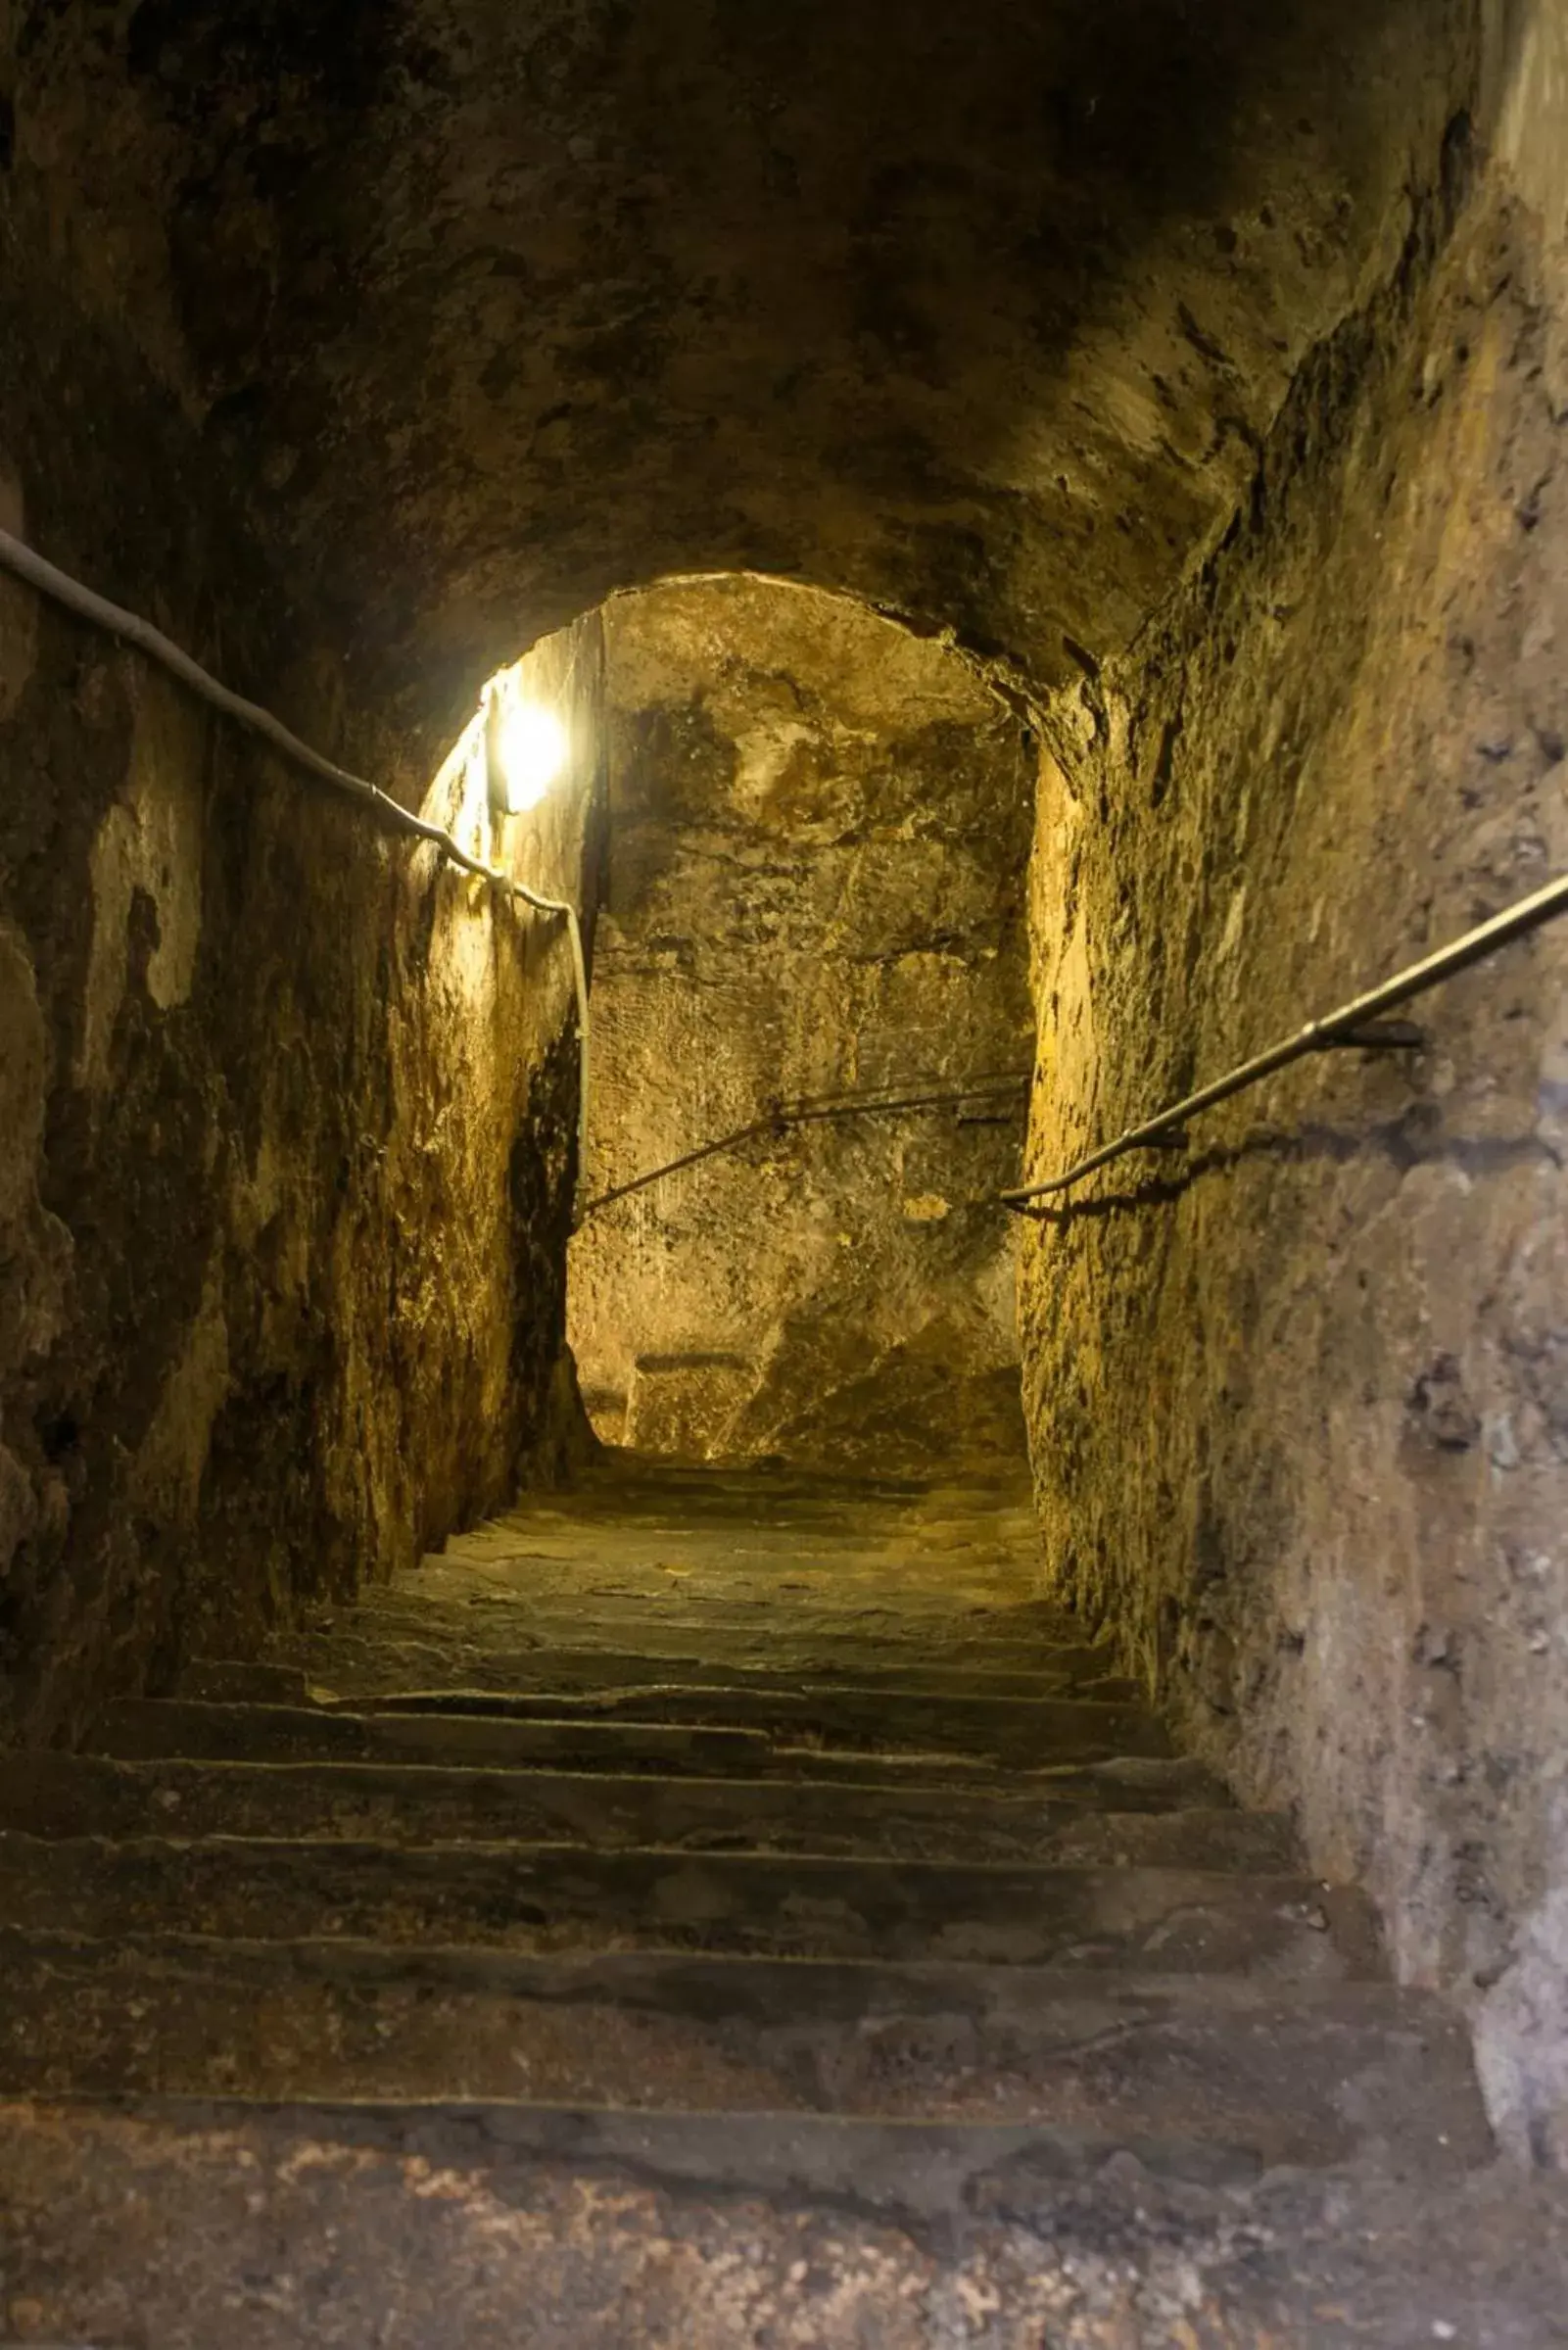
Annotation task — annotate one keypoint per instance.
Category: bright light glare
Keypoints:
(532, 748)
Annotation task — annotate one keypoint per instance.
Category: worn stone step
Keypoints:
(847, 1721)
(145, 1727)
(972, 1566)
(767, 1525)
(355, 1664)
(999, 1546)
(186, 2223)
(921, 2172)
(970, 1527)
(1169, 1815)
(1309, 2076)
(1054, 1730)
(353, 1660)
(556, 1898)
(977, 1597)
(889, 1620)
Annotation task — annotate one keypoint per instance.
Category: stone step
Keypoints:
(513, 1657)
(1059, 1731)
(897, 2171)
(1312, 2077)
(846, 1721)
(609, 1527)
(953, 1581)
(139, 1728)
(891, 1621)
(356, 1663)
(1155, 1814)
(186, 2223)
(561, 1898)
(979, 1583)
(770, 1526)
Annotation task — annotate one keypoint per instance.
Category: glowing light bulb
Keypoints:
(532, 748)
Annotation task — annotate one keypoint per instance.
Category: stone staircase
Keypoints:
(707, 1909)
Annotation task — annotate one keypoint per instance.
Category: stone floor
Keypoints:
(714, 1909)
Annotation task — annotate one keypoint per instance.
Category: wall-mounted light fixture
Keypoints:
(529, 749)
(520, 747)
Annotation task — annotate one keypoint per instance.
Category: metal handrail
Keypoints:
(1337, 1028)
(880, 1101)
(1340, 1028)
(25, 563)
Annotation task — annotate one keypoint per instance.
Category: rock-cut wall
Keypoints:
(286, 1109)
(815, 886)
(1298, 1393)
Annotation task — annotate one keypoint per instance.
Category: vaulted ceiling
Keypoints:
(494, 306)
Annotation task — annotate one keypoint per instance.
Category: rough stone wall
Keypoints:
(815, 884)
(1298, 1395)
(287, 1147)
(975, 313)
(285, 1115)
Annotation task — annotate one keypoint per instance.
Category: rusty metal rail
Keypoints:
(1353, 1025)
(879, 1102)
(25, 562)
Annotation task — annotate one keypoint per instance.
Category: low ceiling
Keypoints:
(494, 306)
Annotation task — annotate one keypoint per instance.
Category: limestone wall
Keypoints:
(285, 1112)
(1298, 1395)
(818, 831)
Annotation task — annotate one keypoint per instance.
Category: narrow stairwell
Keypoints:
(704, 1908)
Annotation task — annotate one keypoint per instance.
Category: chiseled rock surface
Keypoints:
(286, 1119)
(1296, 1393)
(818, 831)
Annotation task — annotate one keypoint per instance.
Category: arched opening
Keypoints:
(811, 906)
